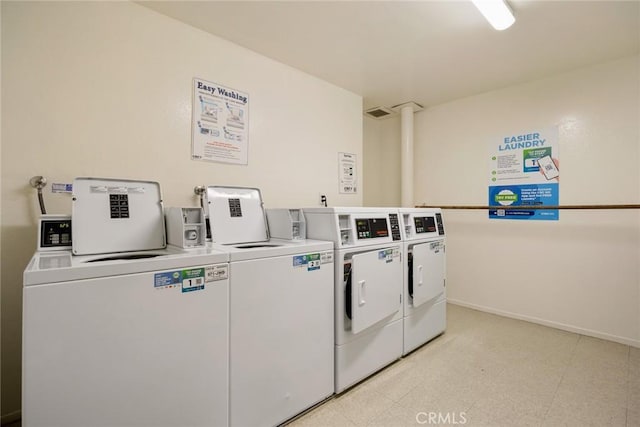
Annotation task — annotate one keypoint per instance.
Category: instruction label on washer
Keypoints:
(191, 279)
(167, 280)
(213, 273)
(61, 188)
(388, 254)
(310, 261)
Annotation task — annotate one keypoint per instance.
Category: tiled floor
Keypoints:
(488, 370)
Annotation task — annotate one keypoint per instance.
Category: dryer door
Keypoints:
(428, 271)
(376, 279)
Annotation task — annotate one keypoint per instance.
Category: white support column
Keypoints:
(406, 157)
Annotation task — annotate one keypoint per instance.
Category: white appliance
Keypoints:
(124, 339)
(368, 287)
(425, 302)
(281, 312)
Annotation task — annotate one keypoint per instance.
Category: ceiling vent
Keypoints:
(379, 113)
(416, 107)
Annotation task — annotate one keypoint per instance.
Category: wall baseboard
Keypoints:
(10, 417)
(557, 325)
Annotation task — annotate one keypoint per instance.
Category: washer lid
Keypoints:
(236, 215)
(110, 215)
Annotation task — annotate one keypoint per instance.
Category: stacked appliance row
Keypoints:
(245, 330)
(389, 284)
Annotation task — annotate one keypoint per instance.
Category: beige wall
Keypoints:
(104, 89)
(580, 273)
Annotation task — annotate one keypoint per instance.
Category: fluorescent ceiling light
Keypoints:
(497, 12)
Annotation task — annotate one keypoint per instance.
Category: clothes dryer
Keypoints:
(425, 302)
(368, 287)
(136, 338)
(281, 312)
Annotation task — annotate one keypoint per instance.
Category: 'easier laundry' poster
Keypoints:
(525, 171)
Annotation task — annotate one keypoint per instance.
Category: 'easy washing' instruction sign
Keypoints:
(220, 123)
(524, 170)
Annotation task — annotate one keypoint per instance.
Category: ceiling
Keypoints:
(430, 52)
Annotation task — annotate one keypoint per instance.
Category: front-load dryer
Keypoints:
(425, 302)
(281, 312)
(368, 287)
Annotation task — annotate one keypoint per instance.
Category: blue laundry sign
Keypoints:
(524, 171)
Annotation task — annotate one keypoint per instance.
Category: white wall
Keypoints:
(104, 89)
(580, 273)
(381, 162)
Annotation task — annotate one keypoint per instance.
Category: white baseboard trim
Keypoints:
(10, 417)
(557, 325)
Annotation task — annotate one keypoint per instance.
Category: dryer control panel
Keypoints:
(440, 224)
(424, 224)
(421, 223)
(395, 227)
(353, 226)
(370, 228)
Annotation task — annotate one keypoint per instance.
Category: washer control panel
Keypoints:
(54, 232)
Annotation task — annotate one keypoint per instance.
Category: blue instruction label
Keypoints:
(311, 261)
(386, 255)
(167, 278)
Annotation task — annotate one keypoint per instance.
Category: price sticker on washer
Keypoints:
(310, 261)
(192, 279)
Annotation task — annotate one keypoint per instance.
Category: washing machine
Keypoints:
(368, 287)
(281, 312)
(425, 301)
(137, 337)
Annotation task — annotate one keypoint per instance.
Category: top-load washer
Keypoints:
(135, 338)
(281, 312)
(368, 287)
(425, 302)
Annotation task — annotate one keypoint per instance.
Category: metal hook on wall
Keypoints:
(200, 190)
(39, 182)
